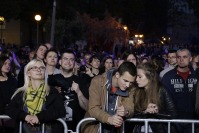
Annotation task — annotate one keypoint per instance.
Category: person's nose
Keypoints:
(127, 84)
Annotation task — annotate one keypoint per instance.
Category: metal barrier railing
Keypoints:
(43, 125)
(146, 121)
(82, 121)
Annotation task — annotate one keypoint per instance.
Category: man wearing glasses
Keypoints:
(171, 62)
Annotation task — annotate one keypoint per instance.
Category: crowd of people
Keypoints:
(47, 84)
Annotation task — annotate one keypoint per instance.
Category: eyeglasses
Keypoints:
(35, 68)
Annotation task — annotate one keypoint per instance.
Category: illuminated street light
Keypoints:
(139, 38)
(1, 23)
(125, 28)
(37, 18)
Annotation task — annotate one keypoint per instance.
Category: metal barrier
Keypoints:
(82, 121)
(146, 121)
(43, 125)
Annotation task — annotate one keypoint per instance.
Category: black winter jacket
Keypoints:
(54, 108)
(166, 111)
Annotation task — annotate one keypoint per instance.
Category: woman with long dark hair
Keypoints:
(106, 65)
(151, 99)
(8, 85)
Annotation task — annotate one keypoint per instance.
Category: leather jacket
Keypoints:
(166, 111)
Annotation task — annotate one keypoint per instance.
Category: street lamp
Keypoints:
(1, 23)
(125, 28)
(139, 38)
(37, 18)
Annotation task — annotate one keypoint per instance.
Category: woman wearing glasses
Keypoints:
(35, 102)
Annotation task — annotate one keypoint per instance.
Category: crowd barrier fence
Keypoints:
(146, 122)
(43, 125)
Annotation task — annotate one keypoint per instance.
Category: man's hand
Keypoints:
(75, 87)
(58, 89)
(121, 111)
(115, 120)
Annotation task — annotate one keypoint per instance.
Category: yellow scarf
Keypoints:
(35, 99)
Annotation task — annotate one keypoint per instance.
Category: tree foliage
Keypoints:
(86, 19)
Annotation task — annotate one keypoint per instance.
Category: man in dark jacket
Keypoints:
(181, 84)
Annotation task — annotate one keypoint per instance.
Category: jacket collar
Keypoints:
(108, 84)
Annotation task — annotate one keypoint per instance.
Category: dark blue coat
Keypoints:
(183, 92)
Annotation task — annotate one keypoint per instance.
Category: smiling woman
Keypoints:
(35, 102)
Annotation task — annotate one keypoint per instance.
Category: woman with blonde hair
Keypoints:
(35, 103)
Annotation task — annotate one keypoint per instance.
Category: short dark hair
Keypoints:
(127, 67)
(127, 53)
(69, 51)
(172, 51)
(95, 56)
(50, 50)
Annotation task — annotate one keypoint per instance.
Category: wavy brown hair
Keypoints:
(145, 96)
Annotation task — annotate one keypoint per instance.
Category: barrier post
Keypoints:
(193, 128)
(82, 121)
(146, 126)
(169, 127)
(64, 124)
(20, 127)
(43, 125)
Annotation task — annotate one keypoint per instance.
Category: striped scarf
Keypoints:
(35, 99)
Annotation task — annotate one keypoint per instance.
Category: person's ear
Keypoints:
(60, 62)
(117, 75)
(190, 60)
(28, 73)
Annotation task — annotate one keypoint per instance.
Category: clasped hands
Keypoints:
(31, 119)
(117, 120)
(151, 108)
